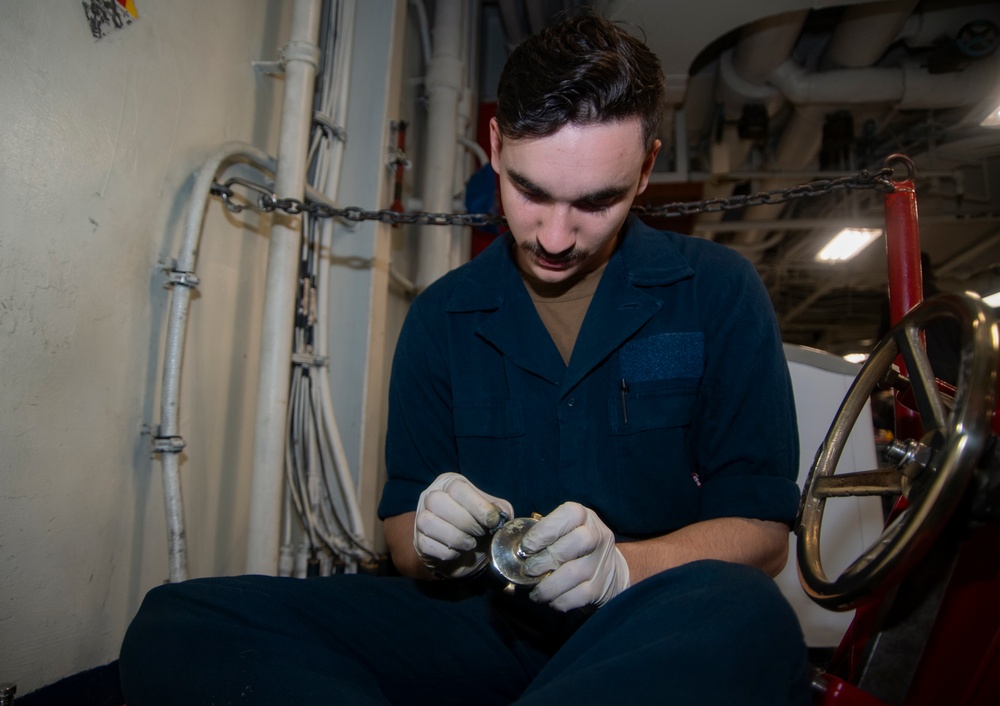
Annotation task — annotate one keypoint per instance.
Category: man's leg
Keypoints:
(345, 639)
(705, 634)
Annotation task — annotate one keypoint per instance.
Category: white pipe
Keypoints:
(907, 88)
(444, 85)
(477, 150)
(461, 242)
(422, 26)
(851, 86)
(301, 56)
(734, 91)
(766, 44)
(762, 46)
(925, 29)
(865, 31)
(923, 89)
(180, 298)
(802, 138)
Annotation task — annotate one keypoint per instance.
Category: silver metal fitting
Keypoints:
(185, 279)
(506, 554)
(168, 444)
(903, 453)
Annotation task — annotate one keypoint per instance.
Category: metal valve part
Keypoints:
(506, 555)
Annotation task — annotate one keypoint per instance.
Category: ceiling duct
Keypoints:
(859, 39)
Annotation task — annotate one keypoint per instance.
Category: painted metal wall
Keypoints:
(99, 142)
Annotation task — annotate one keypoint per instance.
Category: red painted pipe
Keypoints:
(906, 284)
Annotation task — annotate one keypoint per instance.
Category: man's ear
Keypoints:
(496, 141)
(647, 166)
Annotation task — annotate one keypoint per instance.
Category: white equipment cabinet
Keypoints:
(820, 382)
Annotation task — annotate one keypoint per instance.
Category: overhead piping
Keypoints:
(879, 23)
(906, 88)
(762, 47)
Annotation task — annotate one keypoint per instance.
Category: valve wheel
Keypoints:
(932, 472)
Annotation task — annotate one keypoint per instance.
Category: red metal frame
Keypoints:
(960, 664)
(906, 282)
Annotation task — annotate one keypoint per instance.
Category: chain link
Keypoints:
(267, 202)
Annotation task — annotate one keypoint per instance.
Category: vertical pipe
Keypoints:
(169, 426)
(444, 85)
(902, 245)
(301, 57)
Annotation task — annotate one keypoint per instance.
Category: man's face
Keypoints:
(566, 195)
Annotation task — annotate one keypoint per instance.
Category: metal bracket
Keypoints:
(315, 361)
(168, 444)
(269, 68)
(397, 157)
(300, 50)
(326, 122)
(185, 279)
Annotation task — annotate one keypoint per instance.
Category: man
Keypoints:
(628, 385)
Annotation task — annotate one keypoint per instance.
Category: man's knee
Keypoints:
(735, 601)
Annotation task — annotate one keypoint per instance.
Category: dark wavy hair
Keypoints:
(582, 70)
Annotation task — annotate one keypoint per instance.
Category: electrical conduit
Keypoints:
(300, 56)
(341, 92)
(183, 277)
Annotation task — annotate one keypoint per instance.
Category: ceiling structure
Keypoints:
(775, 93)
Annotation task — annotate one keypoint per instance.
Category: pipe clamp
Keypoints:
(299, 50)
(315, 361)
(186, 279)
(168, 444)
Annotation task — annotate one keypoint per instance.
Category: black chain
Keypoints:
(267, 202)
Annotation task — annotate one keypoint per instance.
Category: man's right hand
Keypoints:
(451, 532)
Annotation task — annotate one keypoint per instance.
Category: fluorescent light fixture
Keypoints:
(993, 119)
(992, 300)
(848, 243)
(856, 357)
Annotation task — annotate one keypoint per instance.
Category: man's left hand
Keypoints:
(579, 550)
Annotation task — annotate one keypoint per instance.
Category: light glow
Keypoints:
(993, 119)
(848, 243)
(856, 357)
(992, 300)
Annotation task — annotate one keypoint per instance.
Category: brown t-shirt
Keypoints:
(562, 308)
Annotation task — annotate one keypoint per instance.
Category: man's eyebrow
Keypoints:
(606, 194)
(527, 185)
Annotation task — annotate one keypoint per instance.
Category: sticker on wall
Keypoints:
(106, 16)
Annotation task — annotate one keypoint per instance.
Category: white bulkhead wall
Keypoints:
(99, 143)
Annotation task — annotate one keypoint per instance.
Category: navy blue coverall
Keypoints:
(676, 407)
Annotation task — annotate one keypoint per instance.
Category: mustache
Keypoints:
(573, 254)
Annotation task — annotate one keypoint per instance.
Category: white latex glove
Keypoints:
(580, 551)
(451, 533)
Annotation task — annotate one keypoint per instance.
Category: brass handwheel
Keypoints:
(932, 472)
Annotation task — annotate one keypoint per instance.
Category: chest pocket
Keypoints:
(659, 381)
(649, 423)
(648, 406)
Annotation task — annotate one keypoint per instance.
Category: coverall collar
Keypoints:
(491, 283)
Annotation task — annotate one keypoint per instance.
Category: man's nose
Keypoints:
(557, 233)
